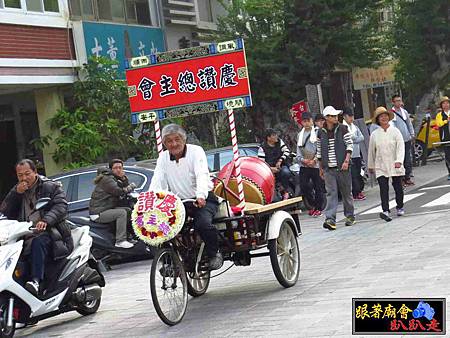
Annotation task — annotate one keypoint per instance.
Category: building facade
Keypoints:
(37, 63)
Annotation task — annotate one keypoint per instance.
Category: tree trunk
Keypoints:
(436, 78)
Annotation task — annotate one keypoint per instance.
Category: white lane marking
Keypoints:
(436, 187)
(392, 203)
(443, 200)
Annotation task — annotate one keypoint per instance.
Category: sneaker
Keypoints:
(400, 211)
(124, 244)
(359, 197)
(216, 262)
(32, 287)
(350, 220)
(311, 212)
(317, 213)
(386, 216)
(329, 224)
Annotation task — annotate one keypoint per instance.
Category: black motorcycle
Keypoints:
(104, 237)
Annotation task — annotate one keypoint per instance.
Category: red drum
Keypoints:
(258, 180)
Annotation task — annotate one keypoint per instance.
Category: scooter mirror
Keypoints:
(42, 202)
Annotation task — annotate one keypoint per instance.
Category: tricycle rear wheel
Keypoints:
(197, 284)
(285, 256)
(168, 286)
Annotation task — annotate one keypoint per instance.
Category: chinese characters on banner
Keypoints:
(215, 78)
(365, 78)
(411, 316)
(298, 109)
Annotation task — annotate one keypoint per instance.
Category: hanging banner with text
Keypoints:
(187, 82)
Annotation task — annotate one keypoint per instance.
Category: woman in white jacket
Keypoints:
(385, 160)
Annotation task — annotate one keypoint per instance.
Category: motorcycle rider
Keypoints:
(275, 153)
(110, 186)
(183, 169)
(52, 239)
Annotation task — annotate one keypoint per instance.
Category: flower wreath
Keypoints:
(157, 217)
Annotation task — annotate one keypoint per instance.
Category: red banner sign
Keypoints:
(298, 109)
(191, 81)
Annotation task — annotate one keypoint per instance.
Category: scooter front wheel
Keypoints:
(5, 330)
(168, 286)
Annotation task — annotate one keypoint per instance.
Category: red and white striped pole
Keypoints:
(159, 145)
(236, 159)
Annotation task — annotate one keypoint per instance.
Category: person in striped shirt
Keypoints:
(275, 153)
(334, 150)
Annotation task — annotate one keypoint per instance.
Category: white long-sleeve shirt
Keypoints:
(386, 147)
(188, 178)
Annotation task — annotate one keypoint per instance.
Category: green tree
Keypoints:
(98, 125)
(420, 41)
(291, 43)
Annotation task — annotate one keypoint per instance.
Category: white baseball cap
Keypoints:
(330, 110)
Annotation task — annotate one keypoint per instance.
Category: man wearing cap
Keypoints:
(334, 150)
(356, 165)
(385, 160)
(403, 123)
(183, 170)
(309, 166)
(442, 121)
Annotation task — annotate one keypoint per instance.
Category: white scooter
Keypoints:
(74, 283)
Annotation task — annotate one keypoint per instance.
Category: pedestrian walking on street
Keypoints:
(356, 164)
(309, 166)
(442, 121)
(385, 160)
(334, 150)
(402, 122)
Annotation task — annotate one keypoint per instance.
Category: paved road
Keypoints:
(430, 198)
(408, 257)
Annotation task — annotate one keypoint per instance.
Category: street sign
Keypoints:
(146, 117)
(187, 82)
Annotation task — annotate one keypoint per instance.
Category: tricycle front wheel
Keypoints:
(168, 286)
(285, 256)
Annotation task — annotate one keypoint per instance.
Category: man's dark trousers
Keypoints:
(203, 218)
(40, 251)
(408, 160)
(312, 175)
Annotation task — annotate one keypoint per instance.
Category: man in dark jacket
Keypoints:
(110, 186)
(52, 239)
(275, 153)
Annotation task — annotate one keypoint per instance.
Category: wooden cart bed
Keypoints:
(253, 208)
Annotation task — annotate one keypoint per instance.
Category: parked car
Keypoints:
(218, 158)
(78, 186)
(419, 146)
